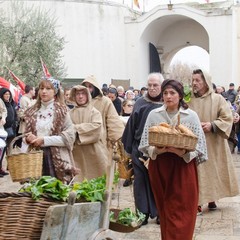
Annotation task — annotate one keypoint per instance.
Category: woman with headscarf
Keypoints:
(89, 152)
(49, 127)
(173, 171)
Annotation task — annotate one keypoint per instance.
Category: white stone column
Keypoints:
(236, 45)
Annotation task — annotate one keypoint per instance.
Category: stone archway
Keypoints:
(174, 32)
(114, 44)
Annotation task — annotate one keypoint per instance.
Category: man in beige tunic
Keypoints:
(26, 101)
(112, 123)
(217, 177)
(89, 152)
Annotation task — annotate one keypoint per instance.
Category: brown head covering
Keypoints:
(178, 87)
(76, 88)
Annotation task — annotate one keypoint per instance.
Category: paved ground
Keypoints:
(222, 224)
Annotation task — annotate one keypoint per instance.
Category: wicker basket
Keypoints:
(125, 170)
(120, 227)
(23, 166)
(22, 217)
(173, 140)
(124, 164)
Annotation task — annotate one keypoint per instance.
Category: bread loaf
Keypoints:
(185, 130)
(172, 136)
(166, 128)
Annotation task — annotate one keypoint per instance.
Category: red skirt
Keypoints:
(175, 187)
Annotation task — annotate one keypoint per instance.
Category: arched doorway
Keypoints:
(192, 56)
(169, 34)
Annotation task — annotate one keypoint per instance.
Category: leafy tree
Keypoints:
(26, 34)
(182, 72)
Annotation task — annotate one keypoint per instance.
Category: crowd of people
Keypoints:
(78, 128)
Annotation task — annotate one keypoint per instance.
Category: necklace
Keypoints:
(46, 112)
(45, 119)
(46, 115)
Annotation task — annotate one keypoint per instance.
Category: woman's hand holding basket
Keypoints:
(178, 151)
(34, 140)
(154, 151)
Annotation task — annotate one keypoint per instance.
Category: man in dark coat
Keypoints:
(143, 196)
(231, 93)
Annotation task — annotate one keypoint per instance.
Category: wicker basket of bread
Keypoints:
(179, 136)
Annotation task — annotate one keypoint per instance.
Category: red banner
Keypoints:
(45, 70)
(20, 83)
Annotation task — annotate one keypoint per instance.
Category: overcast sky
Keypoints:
(193, 55)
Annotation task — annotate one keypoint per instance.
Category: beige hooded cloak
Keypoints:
(89, 152)
(112, 123)
(217, 177)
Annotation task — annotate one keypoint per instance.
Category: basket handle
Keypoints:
(178, 119)
(10, 149)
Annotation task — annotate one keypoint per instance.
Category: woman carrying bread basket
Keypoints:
(173, 169)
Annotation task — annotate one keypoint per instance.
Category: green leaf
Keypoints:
(91, 190)
(50, 186)
(129, 218)
(187, 93)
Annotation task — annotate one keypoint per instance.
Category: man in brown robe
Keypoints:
(112, 123)
(89, 152)
(217, 178)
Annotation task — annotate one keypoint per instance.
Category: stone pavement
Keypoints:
(221, 224)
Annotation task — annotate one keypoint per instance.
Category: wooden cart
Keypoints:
(24, 218)
(83, 221)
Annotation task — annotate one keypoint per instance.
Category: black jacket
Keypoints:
(11, 120)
